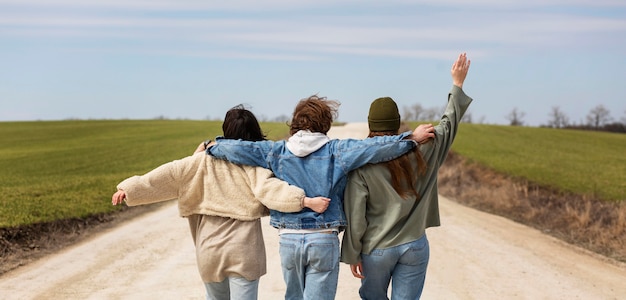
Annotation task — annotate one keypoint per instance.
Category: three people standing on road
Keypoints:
(309, 245)
(390, 199)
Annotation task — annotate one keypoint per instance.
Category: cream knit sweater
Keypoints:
(208, 186)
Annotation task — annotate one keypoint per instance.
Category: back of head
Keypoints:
(384, 116)
(384, 119)
(315, 114)
(240, 123)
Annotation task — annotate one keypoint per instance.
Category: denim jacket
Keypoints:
(315, 163)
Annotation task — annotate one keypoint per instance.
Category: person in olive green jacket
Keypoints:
(389, 205)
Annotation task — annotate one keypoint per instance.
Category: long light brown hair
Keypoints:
(403, 177)
(315, 114)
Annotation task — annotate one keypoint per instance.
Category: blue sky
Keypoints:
(114, 59)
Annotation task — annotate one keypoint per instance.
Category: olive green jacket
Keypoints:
(377, 216)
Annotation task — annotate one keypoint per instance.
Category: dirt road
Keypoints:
(474, 255)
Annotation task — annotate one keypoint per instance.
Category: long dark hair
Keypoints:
(403, 177)
(240, 123)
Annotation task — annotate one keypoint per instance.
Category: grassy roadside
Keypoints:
(580, 162)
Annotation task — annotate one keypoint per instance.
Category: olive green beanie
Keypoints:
(383, 115)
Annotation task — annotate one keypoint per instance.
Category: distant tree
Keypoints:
(407, 114)
(598, 117)
(413, 112)
(431, 114)
(558, 119)
(515, 117)
(467, 118)
(623, 119)
(281, 119)
(615, 127)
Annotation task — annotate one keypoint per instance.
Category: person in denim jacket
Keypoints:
(309, 245)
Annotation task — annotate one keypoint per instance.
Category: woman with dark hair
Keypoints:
(240, 123)
(390, 205)
(223, 204)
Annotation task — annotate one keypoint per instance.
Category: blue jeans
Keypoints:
(232, 288)
(405, 265)
(310, 264)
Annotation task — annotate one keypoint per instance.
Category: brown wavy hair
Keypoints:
(315, 114)
(403, 177)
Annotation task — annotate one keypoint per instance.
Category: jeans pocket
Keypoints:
(323, 257)
(416, 254)
(287, 255)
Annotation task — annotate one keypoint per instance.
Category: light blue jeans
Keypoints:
(310, 264)
(405, 265)
(232, 288)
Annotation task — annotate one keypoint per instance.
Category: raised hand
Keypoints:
(459, 69)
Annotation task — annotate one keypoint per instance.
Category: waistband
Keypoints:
(307, 231)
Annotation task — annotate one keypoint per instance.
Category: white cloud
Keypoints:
(301, 34)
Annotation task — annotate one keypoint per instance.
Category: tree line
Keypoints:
(599, 118)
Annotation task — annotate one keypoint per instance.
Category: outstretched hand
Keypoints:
(317, 204)
(118, 197)
(459, 69)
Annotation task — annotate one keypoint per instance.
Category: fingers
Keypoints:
(459, 69)
(325, 203)
(118, 197)
(461, 63)
(427, 127)
(317, 204)
(357, 270)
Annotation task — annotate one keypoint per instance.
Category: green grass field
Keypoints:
(69, 169)
(582, 162)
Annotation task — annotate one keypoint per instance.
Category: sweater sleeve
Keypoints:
(446, 130)
(160, 184)
(274, 193)
(355, 203)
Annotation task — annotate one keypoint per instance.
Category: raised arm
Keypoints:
(458, 103)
